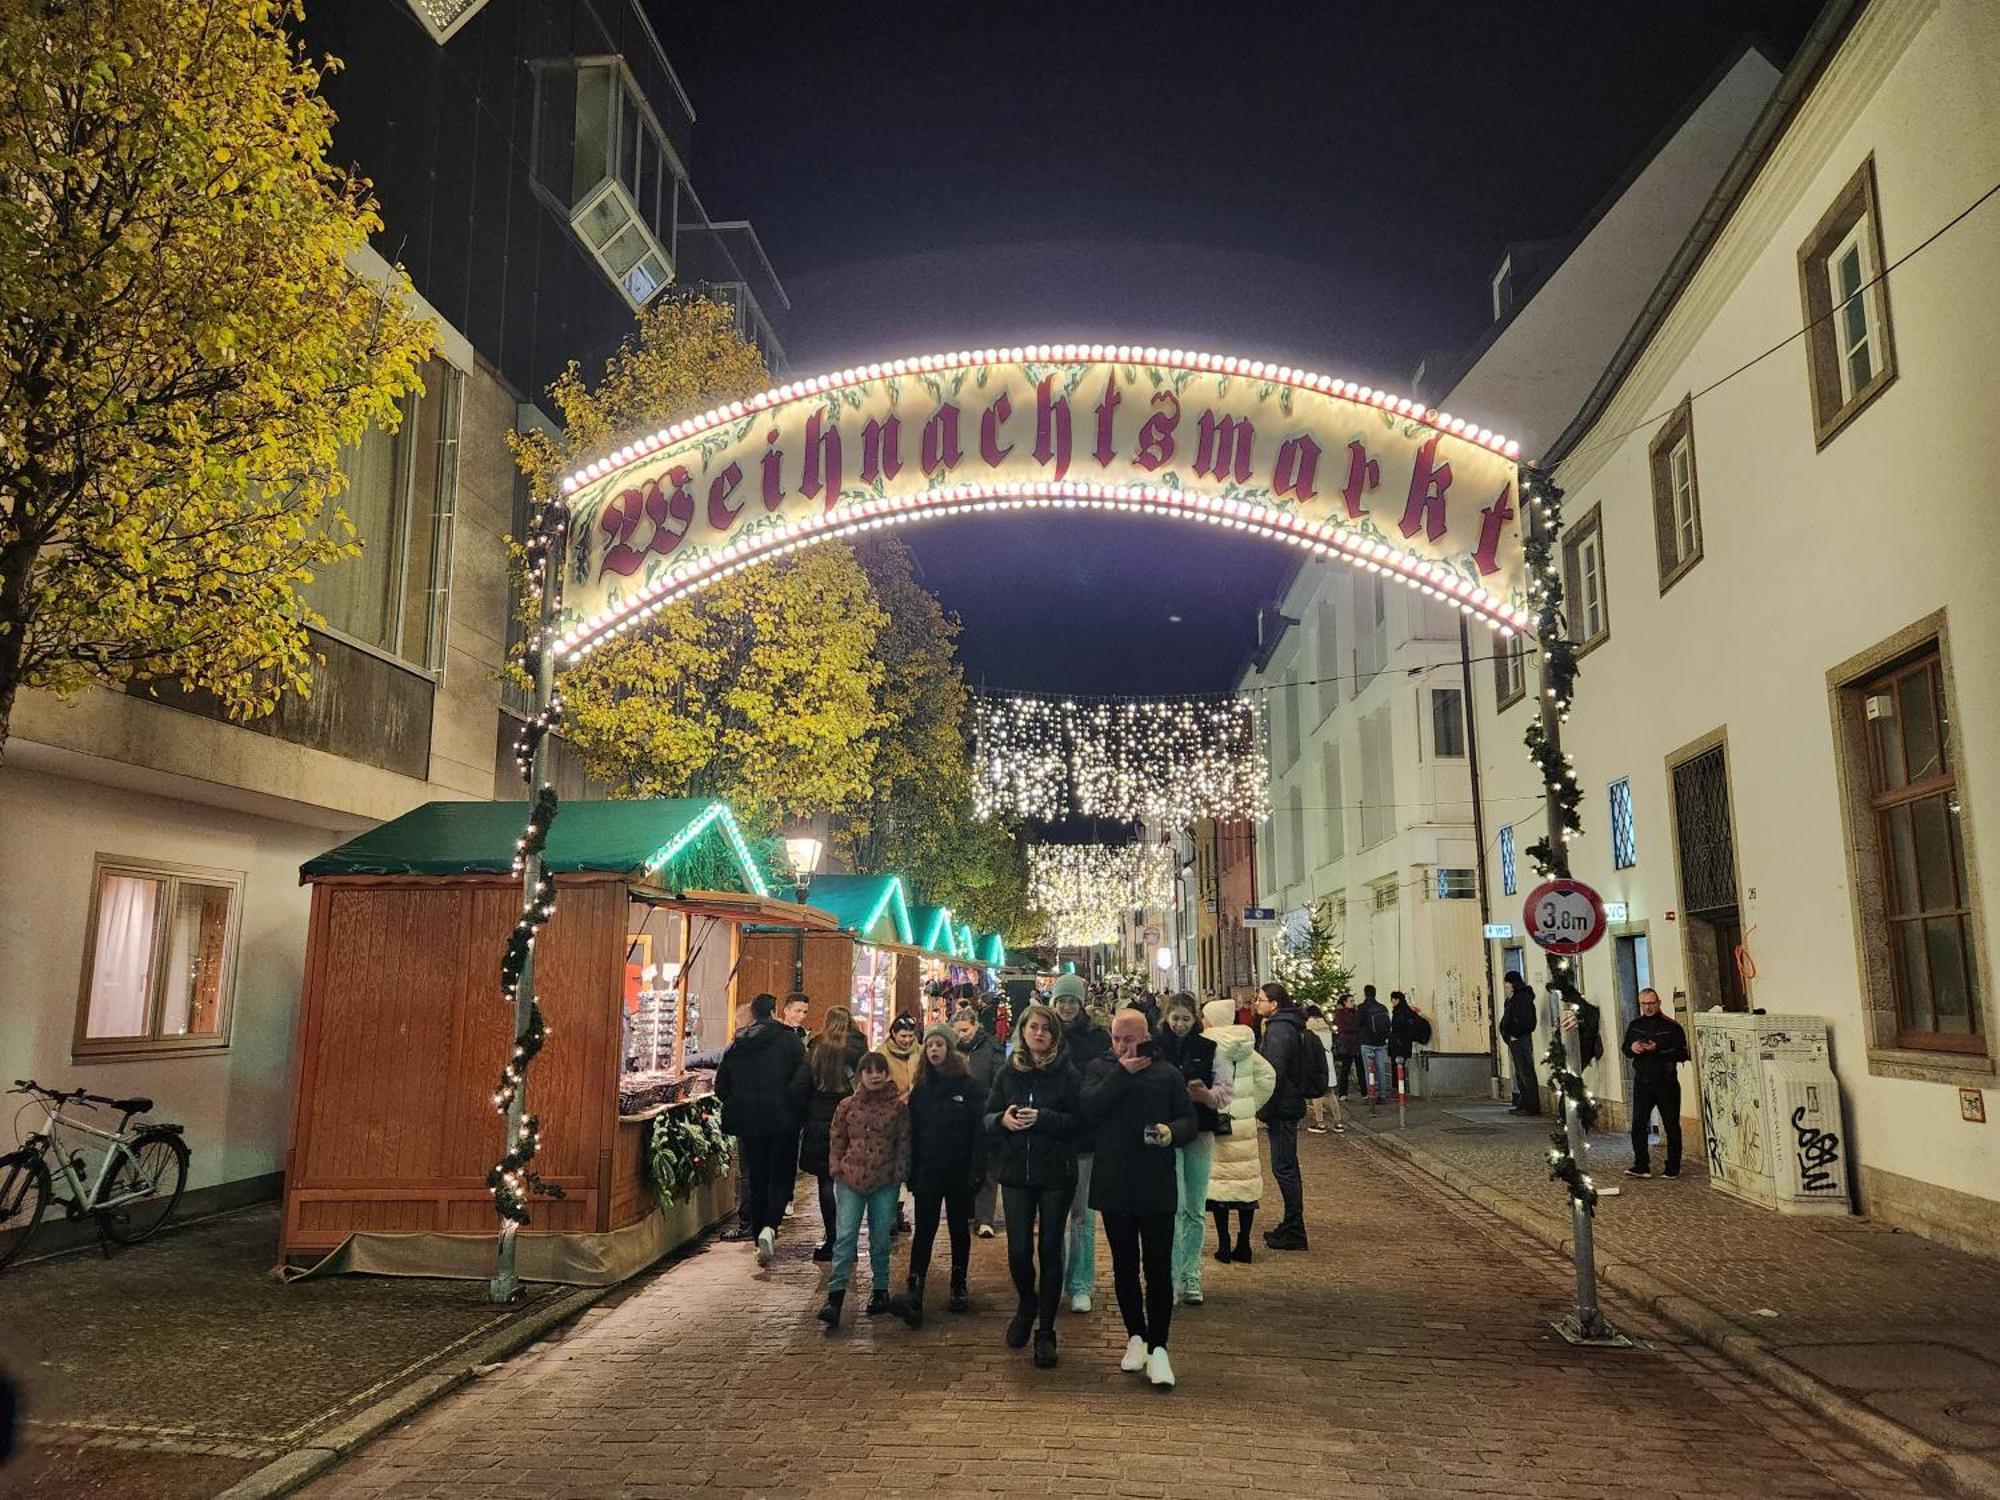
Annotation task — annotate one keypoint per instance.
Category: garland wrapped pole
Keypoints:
(513, 1178)
(1541, 512)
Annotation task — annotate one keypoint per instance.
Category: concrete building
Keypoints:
(156, 947)
(1787, 725)
(1373, 813)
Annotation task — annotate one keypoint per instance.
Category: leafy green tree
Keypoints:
(763, 688)
(184, 352)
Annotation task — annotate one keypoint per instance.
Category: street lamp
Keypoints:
(803, 850)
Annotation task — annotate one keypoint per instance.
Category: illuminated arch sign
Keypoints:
(1336, 468)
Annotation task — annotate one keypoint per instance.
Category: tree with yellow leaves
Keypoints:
(184, 350)
(761, 689)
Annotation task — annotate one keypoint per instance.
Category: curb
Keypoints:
(1960, 1473)
(288, 1471)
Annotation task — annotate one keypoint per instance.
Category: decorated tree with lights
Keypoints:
(764, 689)
(185, 350)
(1310, 965)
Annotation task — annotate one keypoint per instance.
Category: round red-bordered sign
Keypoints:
(1564, 916)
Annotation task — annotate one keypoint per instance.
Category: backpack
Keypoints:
(1313, 1080)
(1375, 1026)
(1421, 1027)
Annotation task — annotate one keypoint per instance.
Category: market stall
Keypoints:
(853, 965)
(403, 1031)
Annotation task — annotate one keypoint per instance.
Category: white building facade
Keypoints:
(1778, 559)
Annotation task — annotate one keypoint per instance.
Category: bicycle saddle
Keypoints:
(131, 1106)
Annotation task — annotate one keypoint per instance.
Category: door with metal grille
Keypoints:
(1706, 841)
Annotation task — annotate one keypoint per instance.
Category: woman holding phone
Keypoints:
(1031, 1117)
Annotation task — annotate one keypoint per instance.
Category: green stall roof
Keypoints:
(933, 929)
(860, 904)
(990, 950)
(479, 838)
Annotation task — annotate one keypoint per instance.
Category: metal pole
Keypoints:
(1585, 1321)
(506, 1286)
(1479, 854)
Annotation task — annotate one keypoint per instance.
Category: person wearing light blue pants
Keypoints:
(1084, 1041)
(1178, 1040)
(850, 1207)
(868, 1154)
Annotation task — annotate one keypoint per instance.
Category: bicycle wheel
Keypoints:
(24, 1197)
(155, 1162)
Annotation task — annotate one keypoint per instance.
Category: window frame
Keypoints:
(1675, 437)
(1893, 1052)
(1461, 890)
(1588, 531)
(1510, 873)
(1510, 672)
(86, 1048)
(1624, 852)
(1438, 749)
(1853, 219)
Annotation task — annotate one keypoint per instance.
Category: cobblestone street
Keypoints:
(1409, 1353)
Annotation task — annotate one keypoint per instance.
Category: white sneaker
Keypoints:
(1191, 1296)
(1159, 1369)
(1135, 1355)
(986, 1231)
(1080, 1302)
(766, 1245)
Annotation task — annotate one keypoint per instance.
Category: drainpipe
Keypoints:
(1479, 848)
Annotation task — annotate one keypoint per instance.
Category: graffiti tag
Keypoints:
(1818, 1149)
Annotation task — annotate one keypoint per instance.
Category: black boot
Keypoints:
(1021, 1324)
(822, 1253)
(878, 1302)
(830, 1313)
(910, 1306)
(1242, 1251)
(1045, 1349)
(960, 1301)
(1222, 1236)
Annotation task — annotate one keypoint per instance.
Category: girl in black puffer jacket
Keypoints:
(1031, 1122)
(828, 1078)
(947, 1160)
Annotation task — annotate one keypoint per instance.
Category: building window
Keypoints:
(1328, 655)
(604, 157)
(1378, 813)
(1295, 834)
(160, 961)
(1370, 637)
(1510, 671)
(442, 18)
(1383, 895)
(1924, 905)
(1508, 886)
(1457, 885)
(1624, 840)
(1676, 497)
(1850, 355)
(1584, 586)
(1332, 793)
(1448, 723)
(402, 491)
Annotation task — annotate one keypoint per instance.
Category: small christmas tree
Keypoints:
(1310, 966)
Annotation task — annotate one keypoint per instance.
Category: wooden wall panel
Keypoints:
(767, 966)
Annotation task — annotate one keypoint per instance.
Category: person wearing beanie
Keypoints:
(947, 1160)
(1085, 1041)
(1236, 1172)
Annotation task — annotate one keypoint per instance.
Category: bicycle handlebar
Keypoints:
(56, 1096)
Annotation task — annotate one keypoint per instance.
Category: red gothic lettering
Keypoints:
(822, 449)
(646, 507)
(1051, 426)
(722, 510)
(1363, 474)
(940, 445)
(1429, 481)
(881, 450)
(1298, 462)
(774, 489)
(989, 430)
(1223, 447)
(1493, 517)
(1156, 438)
(1104, 452)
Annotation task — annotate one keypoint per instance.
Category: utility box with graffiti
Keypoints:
(1770, 1111)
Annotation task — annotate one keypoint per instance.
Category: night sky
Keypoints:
(1328, 185)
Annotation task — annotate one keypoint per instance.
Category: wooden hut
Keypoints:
(855, 964)
(403, 1031)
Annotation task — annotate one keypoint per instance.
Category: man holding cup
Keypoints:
(1137, 1109)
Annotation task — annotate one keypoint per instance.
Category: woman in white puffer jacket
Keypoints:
(1236, 1174)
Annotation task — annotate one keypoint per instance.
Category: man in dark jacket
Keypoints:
(1346, 1043)
(763, 1106)
(1085, 1041)
(983, 1060)
(1517, 1030)
(1376, 1029)
(1283, 1044)
(1657, 1046)
(1137, 1109)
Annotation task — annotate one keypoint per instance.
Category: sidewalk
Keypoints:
(1893, 1337)
(181, 1366)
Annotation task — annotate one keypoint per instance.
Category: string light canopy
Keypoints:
(1172, 761)
(1086, 889)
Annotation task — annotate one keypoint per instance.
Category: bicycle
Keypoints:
(134, 1190)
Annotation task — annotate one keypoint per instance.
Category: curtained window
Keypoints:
(161, 959)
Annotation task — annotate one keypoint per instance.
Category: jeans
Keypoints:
(880, 1207)
(1527, 1086)
(956, 1201)
(767, 1164)
(1666, 1098)
(1027, 1251)
(1143, 1241)
(1080, 1268)
(985, 1200)
(1376, 1061)
(1285, 1167)
(1190, 1227)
